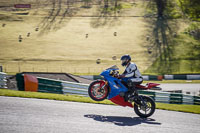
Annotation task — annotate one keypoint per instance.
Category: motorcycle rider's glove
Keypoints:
(121, 76)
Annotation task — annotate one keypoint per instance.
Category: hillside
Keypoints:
(69, 36)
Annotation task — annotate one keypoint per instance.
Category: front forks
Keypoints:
(100, 90)
(137, 99)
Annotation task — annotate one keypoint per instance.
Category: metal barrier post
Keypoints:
(3, 80)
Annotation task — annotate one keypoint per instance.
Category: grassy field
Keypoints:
(185, 57)
(64, 43)
(74, 98)
(61, 37)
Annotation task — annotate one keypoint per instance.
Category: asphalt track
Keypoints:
(185, 87)
(23, 115)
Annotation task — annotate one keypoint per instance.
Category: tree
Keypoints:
(191, 8)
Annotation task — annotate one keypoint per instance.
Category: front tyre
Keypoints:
(98, 90)
(146, 108)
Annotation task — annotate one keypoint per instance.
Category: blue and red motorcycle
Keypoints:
(113, 89)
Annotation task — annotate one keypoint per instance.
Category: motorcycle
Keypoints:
(113, 89)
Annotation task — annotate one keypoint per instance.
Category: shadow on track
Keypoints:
(122, 121)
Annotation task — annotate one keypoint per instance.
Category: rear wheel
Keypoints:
(146, 108)
(98, 90)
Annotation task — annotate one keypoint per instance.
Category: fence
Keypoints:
(155, 77)
(68, 69)
(173, 98)
(17, 68)
(3, 80)
(65, 87)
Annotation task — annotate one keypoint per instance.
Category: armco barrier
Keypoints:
(49, 86)
(157, 77)
(20, 82)
(176, 98)
(145, 77)
(65, 87)
(182, 77)
(173, 98)
(75, 88)
(193, 77)
(3, 80)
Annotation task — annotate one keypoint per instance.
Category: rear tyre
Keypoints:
(147, 109)
(98, 91)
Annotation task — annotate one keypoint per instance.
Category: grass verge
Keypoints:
(60, 97)
(179, 107)
(173, 107)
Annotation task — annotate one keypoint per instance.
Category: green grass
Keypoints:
(75, 98)
(61, 45)
(126, 5)
(181, 108)
(60, 97)
(184, 57)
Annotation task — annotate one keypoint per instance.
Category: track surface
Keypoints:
(22, 115)
(185, 87)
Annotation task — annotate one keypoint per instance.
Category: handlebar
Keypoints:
(115, 73)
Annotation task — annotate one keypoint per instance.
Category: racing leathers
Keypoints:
(132, 73)
(131, 78)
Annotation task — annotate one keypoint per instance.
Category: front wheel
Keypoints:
(98, 90)
(146, 108)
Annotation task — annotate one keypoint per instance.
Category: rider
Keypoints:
(131, 76)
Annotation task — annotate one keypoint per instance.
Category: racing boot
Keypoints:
(131, 90)
(127, 96)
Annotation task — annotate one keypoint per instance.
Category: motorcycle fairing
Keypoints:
(120, 101)
(116, 87)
